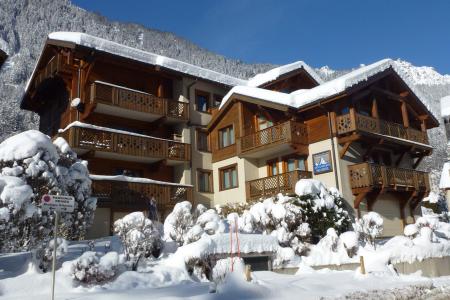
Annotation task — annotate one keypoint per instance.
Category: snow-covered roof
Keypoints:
(445, 106)
(134, 179)
(444, 183)
(100, 44)
(301, 98)
(274, 74)
(258, 93)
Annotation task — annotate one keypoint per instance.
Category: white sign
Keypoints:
(58, 203)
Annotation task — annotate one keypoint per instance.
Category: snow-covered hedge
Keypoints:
(31, 165)
(140, 237)
(91, 267)
(185, 226)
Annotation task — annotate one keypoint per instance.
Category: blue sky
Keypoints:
(340, 34)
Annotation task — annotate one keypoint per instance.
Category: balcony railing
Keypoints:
(126, 144)
(123, 195)
(349, 123)
(272, 185)
(368, 175)
(122, 97)
(289, 132)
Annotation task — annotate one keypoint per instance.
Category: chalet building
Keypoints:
(364, 133)
(155, 130)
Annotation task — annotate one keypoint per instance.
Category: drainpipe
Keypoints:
(333, 147)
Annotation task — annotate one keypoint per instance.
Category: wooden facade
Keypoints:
(135, 119)
(129, 123)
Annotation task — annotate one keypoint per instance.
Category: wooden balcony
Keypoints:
(124, 195)
(275, 139)
(354, 123)
(120, 101)
(125, 146)
(366, 176)
(270, 186)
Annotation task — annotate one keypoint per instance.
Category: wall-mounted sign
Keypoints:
(322, 162)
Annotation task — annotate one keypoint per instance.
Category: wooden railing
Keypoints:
(368, 175)
(287, 132)
(356, 122)
(138, 101)
(126, 144)
(57, 65)
(136, 196)
(272, 185)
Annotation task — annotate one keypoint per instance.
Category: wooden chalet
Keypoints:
(156, 129)
(369, 124)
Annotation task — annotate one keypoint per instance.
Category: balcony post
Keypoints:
(353, 119)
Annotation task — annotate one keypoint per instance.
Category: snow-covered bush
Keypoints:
(321, 208)
(370, 226)
(31, 166)
(184, 226)
(411, 230)
(179, 222)
(139, 237)
(350, 240)
(225, 266)
(91, 267)
(44, 253)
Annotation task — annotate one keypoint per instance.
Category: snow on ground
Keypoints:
(161, 280)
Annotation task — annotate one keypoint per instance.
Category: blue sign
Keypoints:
(322, 162)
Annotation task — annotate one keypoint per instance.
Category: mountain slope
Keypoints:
(25, 24)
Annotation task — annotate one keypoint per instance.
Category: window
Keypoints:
(226, 136)
(228, 177)
(294, 163)
(204, 181)
(203, 140)
(202, 101)
(272, 168)
(263, 123)
(128, 172)
(217, 99)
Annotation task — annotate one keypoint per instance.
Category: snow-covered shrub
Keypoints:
(179, 222)
(44, 253)
(370, 226)
(199, 268)
(225, 266)
(184, 226)
(411, 230)
(321, 208)
(91, 268)
(350, 240)
(31, 166)
(139, 237)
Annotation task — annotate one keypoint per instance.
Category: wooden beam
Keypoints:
(359, 198)
(375, 109)
(344, 149)
(371, 199)
(387, 93)
(405, 117)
